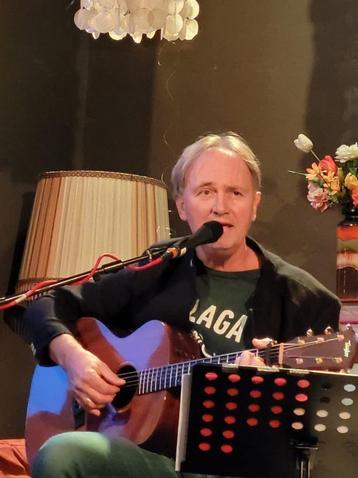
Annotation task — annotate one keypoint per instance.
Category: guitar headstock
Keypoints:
(333, 351)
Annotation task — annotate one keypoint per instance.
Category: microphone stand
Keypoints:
(109, 267)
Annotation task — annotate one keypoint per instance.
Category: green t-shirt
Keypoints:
(220, 314)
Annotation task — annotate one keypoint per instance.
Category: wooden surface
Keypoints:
(349, 313)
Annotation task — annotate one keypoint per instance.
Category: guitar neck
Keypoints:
(170, 376)
(332, 351)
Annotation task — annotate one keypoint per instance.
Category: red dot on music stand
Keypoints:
(204, 446)
(226, 448)
(278, 395)
(231, 405)
(276, 410)
(206, 432)
(275, 423)
(257, 379)
(234, 377)
(254, 407)
(280, 382)
(207, 418)
(208, 404)
(255, 394)
(230, 420)
(228, 434)
(210, 390)
(252, 422)
(301, 397)
(302, 383)
(232, 392)
(211, 376)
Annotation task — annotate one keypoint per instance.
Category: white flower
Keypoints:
(303, 143)
(345, 153)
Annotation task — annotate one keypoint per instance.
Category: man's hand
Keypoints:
(251, 359)
(93, 383)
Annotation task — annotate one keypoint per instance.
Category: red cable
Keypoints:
(85, 279)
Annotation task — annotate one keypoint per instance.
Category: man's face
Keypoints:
(219, 187)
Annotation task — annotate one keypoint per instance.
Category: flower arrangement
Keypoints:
(331, 181)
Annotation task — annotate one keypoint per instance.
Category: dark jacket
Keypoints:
(287, 301)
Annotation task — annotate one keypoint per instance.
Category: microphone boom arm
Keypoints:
(109, 267)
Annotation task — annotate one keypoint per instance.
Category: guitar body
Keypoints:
(147, 419)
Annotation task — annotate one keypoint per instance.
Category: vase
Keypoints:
(347, 255)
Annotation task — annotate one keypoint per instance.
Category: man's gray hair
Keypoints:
(229, 142)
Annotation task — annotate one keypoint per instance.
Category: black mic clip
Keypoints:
(209, 232)
(174, 251)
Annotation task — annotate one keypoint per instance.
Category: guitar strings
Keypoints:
(151, 375)
(218, 359)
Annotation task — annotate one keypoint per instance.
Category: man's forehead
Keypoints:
(228, 184)
(212, 169)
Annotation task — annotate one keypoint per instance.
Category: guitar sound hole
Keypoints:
(127, 392)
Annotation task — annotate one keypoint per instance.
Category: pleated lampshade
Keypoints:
(78, 215)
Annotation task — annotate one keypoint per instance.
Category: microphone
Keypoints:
(209, 232)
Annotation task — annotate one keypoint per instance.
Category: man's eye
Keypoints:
(237, 193)
(205, 192)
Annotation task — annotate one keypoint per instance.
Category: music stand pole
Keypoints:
(305, 457)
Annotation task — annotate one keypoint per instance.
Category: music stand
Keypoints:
(268, 423)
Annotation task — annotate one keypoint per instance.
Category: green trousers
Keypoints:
(92, 455)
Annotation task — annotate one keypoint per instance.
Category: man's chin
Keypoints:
(217, 246)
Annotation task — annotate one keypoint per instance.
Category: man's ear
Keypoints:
(179, 201)
(256, 205)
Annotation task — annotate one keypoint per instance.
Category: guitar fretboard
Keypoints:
(169, 376)
(295, 354)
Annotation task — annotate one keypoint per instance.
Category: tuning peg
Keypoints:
(328, 330)
(309, 333)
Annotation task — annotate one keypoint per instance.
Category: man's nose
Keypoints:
(220, 204)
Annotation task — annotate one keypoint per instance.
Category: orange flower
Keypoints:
(332, 182)
(314, 172)
(328, 164)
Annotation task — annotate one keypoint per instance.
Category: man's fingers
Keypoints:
(261, 343)
(97, 380)
(91, 400)
(90, 407)
(249, 359)
(110, 376)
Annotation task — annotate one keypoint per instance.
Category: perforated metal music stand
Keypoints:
(268, 423)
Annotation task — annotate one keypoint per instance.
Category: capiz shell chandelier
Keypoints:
(174, 18)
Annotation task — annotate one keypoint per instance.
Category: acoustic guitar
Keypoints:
(152, 360)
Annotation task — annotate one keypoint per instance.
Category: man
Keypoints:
(231, 292)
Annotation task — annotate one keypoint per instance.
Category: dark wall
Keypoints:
(268, 70)
(67, 102)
